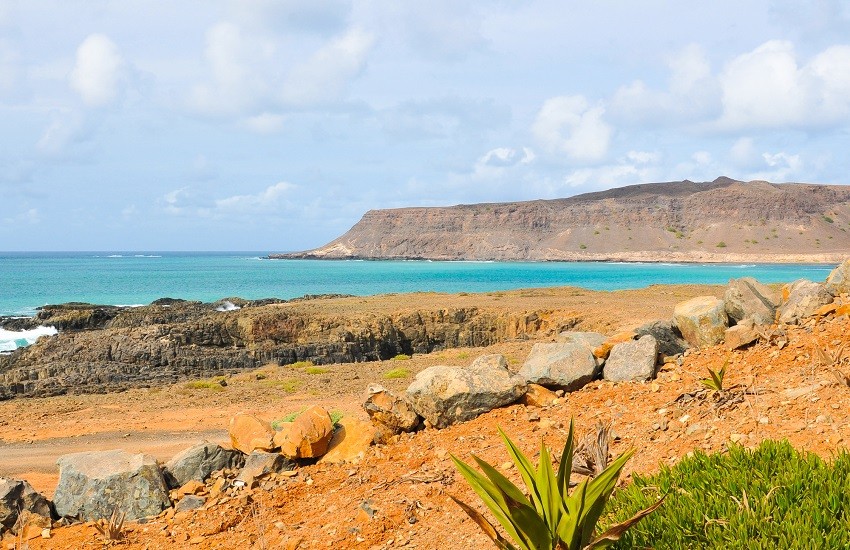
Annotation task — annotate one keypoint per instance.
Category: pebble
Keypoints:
(764, 420)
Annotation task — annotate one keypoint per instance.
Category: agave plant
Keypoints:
(549, 517)
(716, 381)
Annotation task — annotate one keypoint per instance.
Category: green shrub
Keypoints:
(721, 244)
(276, 424)
(213, 384)
(397, 373)
(582, 246)
(401, 357)
(772, 497)
(301, 364)
(827, 219)
(550, 517)
(315, 370)
(289, 386)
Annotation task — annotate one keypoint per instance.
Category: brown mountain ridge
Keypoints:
(725, 220)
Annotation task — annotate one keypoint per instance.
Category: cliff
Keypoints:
(723, 220)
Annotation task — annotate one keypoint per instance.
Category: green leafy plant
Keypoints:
(401, 357)
(721, 244)
(715, 382)
(550, 517)
(400, 372)
(315, 370)
(771, 497)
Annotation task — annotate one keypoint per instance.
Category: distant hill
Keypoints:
(719, 221)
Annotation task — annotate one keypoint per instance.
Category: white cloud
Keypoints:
(326, 75)
(743, 153)
(570, 125)
(501, 161)
(643, 157)
(265, 123)
(64, 130)
(780, 166)
(99, 72)
(267, 199)
(603, 177)
(702, 157)
(29, 217)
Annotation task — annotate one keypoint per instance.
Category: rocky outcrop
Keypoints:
(93, 484)
(198, 462)
(307, 436)
(670, 341)
(673, 221)
(701, 320)
(17, 496)
(568, 364)
(351, 439)
(740, 335)
(838, 281)
(746, 298)
(447, 395)
(804, 300)
(249, 433)
(167, 342)
(632, 361)
(261, 463)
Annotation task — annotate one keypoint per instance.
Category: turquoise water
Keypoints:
(30, 280)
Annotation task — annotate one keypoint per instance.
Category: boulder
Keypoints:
(670, 341)
(602, 351)
(746, 298)
(447, 395)
(389, 413)
(632, 361)
(538, 396)
(350, 441)
(17, 496)
(804, 299)
(567, 364)
(199, 462)
(701, 320)
(838, 281)
(742, 334)
(249, 433)
(260, 463)
(93, 484)
(307, 436)
(188, 503)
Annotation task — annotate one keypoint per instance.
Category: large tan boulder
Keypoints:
(389, 413)
(804, 298)
(568, 363)
(742, 334)
(746, 298)
(838, 281)
(307, 436)
(632, 361)
(250, 433)
(350, 441)
(701, 320)
(538, 396)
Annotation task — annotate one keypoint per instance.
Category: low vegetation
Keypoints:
(213, 384)
(770, 497)
(315, 370)
(336, 416)
(393, 374)
(721, 244)
(401, 357)
(301, 364)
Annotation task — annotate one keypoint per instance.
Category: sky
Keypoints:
(274, 125)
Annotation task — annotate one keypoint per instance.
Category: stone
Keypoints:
(447, 395)
(350, 441)
(538, 396)
(632, 361)
(389, 413)
(670, 341)
(188, 503)
(701, 320)
(740, 335)
(199, 461)
(602, 351)
(261, 463)
(568, 364)
(307, 436)
(18, 496)
(746, 298)
(838, 280)
(249, 433)
(804, 299)
(93, 484)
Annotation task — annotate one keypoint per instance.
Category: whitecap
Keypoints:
(227, 305)
(10, 340)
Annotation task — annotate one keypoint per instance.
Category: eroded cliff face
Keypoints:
(109, 349)
(724, 220)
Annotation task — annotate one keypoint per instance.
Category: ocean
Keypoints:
(29, 280)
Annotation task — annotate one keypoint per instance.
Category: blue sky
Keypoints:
(274, 125)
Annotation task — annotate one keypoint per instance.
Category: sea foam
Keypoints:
(11, 340)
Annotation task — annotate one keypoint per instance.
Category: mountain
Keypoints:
(724, 220)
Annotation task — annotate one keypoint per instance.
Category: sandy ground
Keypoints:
(791, 387)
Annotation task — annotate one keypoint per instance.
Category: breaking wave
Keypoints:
(11, 340)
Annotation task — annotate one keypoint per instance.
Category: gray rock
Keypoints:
(670, 341)
(701, 320)
(632, 361)
(389, 413)
(260, 463)
(838, 281)
(93, 484)
(18, 496)
(742, 334)
(199, 462)
(804, 299)
(447, 395)
(567, 364)
(748, 298)
(189, 502)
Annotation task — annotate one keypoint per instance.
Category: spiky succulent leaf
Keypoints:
(500, 541)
